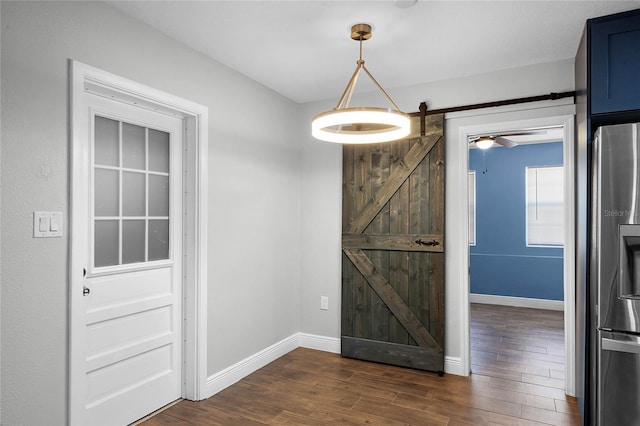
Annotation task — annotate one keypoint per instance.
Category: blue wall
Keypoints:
(500, 262)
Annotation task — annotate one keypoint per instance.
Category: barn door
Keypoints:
(393, 251)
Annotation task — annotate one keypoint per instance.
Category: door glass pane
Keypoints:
(133, 197)
(158, 195)
(106, 137)
(106, 192)
(158, 239)
(133, 241)
(106, 243)
(133, 142)
(131, 185)
(158, 151)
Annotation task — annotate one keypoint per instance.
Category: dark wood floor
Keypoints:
(518, 371)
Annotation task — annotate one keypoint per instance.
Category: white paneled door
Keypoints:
(130, 345)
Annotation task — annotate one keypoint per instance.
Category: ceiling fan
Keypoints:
(487, 141)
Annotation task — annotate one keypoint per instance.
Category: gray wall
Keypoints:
(254, 188)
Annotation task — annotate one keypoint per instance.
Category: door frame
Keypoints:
(496, 120)
(85, 78)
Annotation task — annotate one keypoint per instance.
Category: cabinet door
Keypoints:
(615, 63)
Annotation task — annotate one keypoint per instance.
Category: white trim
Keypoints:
(453, 365)
(522, 302)
(496, 120)
(472, 173)
(321, 343)
(236, 372)
(87, 78)
(230, 375)
(569, 264)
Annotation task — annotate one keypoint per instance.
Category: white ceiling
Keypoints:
(302, 49)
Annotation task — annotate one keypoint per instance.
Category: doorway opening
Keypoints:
(516, 239)
(463, 126)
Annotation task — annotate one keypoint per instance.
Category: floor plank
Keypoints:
(517, 379)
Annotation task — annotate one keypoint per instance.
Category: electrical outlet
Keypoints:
(324, 303)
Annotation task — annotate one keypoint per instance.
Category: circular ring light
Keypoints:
(360, 125)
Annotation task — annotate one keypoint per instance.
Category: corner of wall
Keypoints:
(232, 374)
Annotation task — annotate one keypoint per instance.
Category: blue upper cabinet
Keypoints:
(615, 63)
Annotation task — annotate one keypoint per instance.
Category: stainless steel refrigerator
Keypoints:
(615, 274)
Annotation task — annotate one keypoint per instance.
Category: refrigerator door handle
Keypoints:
(620, 346)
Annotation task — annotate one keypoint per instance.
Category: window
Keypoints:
(131, 193)
(545, 206)
(472, 207)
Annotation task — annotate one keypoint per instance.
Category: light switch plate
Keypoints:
(47, 224)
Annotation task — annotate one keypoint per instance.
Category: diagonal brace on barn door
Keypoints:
(390, 298)
(397, 177)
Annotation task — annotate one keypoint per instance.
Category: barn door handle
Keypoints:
(432, 243)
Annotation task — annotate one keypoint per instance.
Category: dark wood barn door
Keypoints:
(393, 251)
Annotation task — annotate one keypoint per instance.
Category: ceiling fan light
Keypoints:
(484, 142)
(360, 125)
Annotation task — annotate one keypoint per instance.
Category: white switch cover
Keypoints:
(324, 303)
(47, 224)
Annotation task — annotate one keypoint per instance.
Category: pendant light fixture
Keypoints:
(345, 124)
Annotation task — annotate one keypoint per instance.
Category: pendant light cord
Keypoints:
(484, 162)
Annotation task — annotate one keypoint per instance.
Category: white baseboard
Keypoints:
(453, 365)
(522, 302)
(321, 343)
(232, 374)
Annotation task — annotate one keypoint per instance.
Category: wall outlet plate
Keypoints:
(324, 303)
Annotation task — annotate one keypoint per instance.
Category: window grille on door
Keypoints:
(131, 193)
